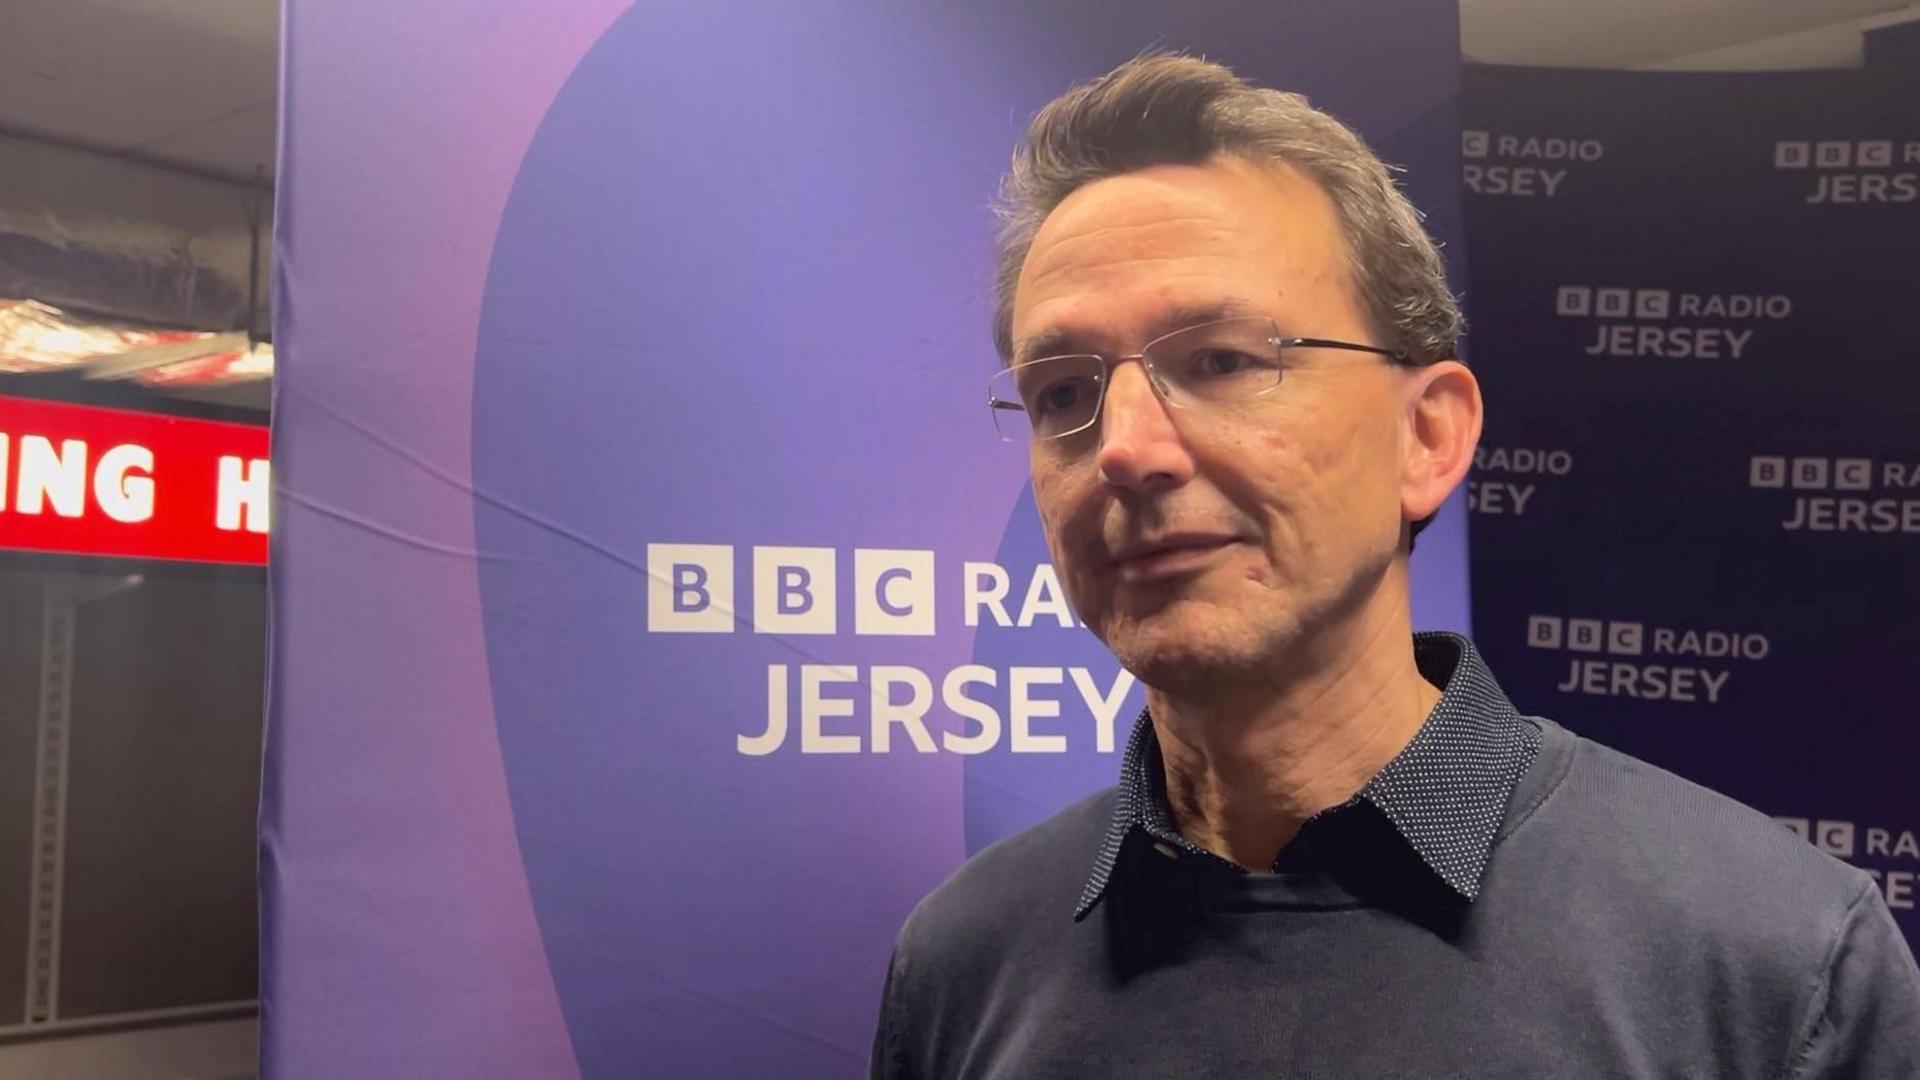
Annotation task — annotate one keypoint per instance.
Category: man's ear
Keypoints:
(1442, 426)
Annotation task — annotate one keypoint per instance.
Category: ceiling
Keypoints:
(1696, 34)
(181, 82)
(192, 82)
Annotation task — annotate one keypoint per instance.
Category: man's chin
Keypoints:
(1184, 656)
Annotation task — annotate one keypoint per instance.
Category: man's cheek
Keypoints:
(1060, 548)
(1080, 579)
(1089, 607)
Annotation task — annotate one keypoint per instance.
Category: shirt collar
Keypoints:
(1445, 793)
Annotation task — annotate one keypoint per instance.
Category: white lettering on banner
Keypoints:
(1507, 498)
(1834, 837)
(1648, 335)
(690, 588)
(1830, 514)
(1854, 172)
(1521, 180)
(793, 590)
(1648, 682)
(1615, 302)
(1860, 511)
(51, 477)
(1522, 460)
(816, 708)
(826, 698)
(243, 494)
(1496, 497)
(1887, 843)
(1635, 678)
(845, 709)
(953, 695)
(87, 481)
(1023, 709)
(1733, 306)
(1838, 838)
(1711, 644)
(910, 714)
(984, 589)
(57, 479)
(769, 740)
(1674, 343)
(1550, 149)
(1503, 164)
(893, 592)
(1896, 886)
(1105, 707)
(986, 586)
(123, 484)
(1866, 188)
(1045, 597)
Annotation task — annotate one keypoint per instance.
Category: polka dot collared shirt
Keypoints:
(1445, 794)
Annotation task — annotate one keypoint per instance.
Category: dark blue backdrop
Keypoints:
(1697, 526)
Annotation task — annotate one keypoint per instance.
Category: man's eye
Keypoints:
(1217, 362)
(1056, 397)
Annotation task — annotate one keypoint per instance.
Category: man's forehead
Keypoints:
(1153, 250)
(1225, 191)
(1145, 213)
(1070, 334)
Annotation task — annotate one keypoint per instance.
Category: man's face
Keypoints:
(1204, 541)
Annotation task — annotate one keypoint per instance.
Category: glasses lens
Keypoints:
(1218, 361)
(1046, 399)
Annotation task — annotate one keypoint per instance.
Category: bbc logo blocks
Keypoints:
(1616, 637)
(1833, 154)
(1610, 303)
(1810, 473)
(690, 590)
(1836, 838)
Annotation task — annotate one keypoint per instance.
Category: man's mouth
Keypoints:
(1175, 553)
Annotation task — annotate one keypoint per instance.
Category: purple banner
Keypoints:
(656, 615)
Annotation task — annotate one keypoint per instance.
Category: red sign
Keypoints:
(88, 481)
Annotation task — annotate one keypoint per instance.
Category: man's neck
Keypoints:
(1242, 775)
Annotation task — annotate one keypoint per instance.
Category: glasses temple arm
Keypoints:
(1328, 343)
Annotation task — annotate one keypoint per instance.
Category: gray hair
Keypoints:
(1165, 109)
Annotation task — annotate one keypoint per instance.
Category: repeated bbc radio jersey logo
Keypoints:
(1506, 478)
(1668, 323)
(1842, 494)
(881, 708)
(1890, 856)
(1853, 171)
(1522, 165)
(1618, 658)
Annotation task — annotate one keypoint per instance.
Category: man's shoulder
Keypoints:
(1031, 878)
(1659, 841)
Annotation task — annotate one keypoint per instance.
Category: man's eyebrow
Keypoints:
(1063, 340)
(1185, 315)
(1055, 342)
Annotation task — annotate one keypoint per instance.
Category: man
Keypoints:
(1335, 849)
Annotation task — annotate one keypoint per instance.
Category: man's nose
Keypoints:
(1140, 447)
